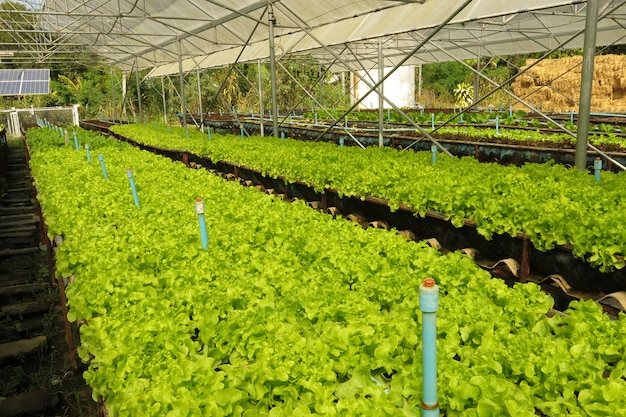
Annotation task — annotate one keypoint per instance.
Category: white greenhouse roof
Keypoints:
(484, 27)
(207, 33)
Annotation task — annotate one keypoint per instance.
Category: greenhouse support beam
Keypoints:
(272, 21)
(138, 82)
(317, 103)
(164, 101)
(586, 85)
(183, 104)
(381, 92)
(477, 77)
(419, 81)
(114, 114)
(389, 74)
(522, 101)
(261, 109)
(397, 110)
(200, 103)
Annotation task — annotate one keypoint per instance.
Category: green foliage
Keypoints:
(270, 321)
(463, 95)
(554, 209)
(442, 78)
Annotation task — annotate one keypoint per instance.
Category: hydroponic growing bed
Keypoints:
(514, 138)
(289, 312)
(548, 203)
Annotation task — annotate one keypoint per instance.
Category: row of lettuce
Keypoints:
(551, 204)
(512, 126)
(292, 313)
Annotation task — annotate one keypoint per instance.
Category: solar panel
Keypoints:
(14, 82)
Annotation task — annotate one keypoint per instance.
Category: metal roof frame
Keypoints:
(142, 34)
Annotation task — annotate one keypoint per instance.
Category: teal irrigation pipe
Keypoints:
(87, 150)
(75, 141)
(104, 168)
(597, 167)
(433, 150)
(429, 303)
(133, 187)
(204, 237)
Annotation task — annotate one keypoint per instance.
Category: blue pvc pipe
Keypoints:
(497, 125)
(133, 188)
(75, 140)
(597, 167)
(241, 130)
(433, 150)
(432, 121)
(282, 135)
(208, 132)
(429, 303)
(204, 237)
(388, 115)
(510, 110)
(87, 150)
(316, 119)
(104, 168)
(461, 118)
(341, 142)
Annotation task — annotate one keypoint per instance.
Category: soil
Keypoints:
(45, 382)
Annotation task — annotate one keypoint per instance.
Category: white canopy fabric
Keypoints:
(149, 31)
(205, 33)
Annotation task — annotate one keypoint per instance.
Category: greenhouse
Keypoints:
(290, 208)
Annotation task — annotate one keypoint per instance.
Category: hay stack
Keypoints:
(554, 84)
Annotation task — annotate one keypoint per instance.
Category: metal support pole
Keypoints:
(586, 85)
(138, 91)
(429, 303)
(114, 115)
(477, 77)
(181, 79)
(164, 101)
(381, 91)
(399, 64)
(261, 109)
(272, 22)
(500, 87)
(200, 104)
(419, 82)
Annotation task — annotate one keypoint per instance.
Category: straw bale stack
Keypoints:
(554, 84)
